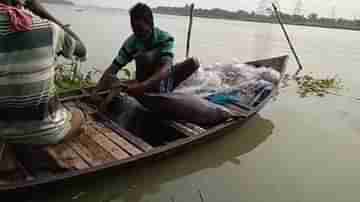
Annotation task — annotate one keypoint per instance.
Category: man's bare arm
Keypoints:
(162, 73)
(36, 7)
(108, 77)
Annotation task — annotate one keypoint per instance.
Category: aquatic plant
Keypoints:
(69, 77)
(309, 85)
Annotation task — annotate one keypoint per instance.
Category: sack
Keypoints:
(189, 108)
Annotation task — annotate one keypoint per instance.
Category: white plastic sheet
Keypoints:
(219, 77)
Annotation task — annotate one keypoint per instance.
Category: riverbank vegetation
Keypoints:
(268, 16)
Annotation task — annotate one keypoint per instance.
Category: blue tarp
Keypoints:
(236, 96)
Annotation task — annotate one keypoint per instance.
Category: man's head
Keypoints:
(142, 21)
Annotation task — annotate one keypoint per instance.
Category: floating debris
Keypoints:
(309, 85)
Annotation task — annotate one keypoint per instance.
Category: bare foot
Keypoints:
(76, 124)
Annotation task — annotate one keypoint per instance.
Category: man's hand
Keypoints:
(135, 88)
(95, 98)
(103, 84)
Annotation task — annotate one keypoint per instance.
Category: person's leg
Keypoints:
(36, 159)
(33, 156)
(7, 158)
(77, 120)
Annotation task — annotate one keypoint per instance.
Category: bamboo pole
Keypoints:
(288, 39)
(189, 30)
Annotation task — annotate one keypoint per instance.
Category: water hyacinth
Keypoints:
(67, 79)
(309, 85)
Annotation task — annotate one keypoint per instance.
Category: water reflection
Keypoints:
(211, 155)
(132, 184)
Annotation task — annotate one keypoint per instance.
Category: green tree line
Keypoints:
(312, 19)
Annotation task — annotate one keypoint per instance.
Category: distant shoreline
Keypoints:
(63, 2)
(311, 21)
(226, 15)
(339, 27)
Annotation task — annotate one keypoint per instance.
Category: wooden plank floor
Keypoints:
(65, 157)
(125, 135)
(84, 153)
(107, 144)
(138, 142)
(97, 152)
(97, 145)
(120, 141)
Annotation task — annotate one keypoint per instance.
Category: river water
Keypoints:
(296, 149)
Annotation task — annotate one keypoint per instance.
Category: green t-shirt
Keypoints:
(160, 39)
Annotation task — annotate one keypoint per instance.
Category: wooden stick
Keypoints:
(288, 39)
(120, 87)
(189, 30)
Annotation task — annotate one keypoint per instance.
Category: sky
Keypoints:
(327, 8)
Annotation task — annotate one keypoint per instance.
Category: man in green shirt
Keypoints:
(153, 51)
(151, 48)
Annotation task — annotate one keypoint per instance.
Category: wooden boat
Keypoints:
(104, 145)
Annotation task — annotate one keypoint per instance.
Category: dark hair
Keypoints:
(142, 11)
